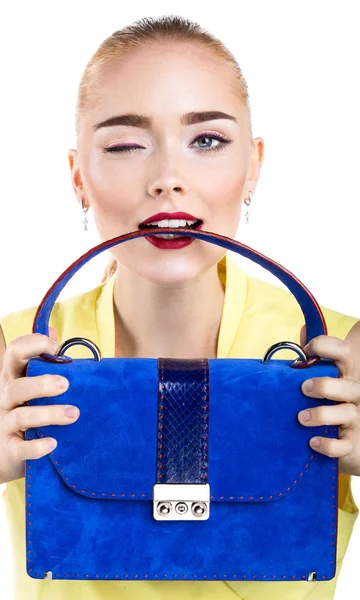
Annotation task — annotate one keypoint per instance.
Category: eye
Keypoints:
(210, 136)
(120, 149)
(203, 136)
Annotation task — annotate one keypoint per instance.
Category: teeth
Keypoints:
(168, 236)
(172, 223)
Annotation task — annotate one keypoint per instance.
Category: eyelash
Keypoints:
(224, 142)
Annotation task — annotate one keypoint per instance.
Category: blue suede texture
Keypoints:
(273, 513)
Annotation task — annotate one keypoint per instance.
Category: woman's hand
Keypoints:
(346, 355)
(15, 419)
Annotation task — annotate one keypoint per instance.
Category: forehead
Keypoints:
(164, 81)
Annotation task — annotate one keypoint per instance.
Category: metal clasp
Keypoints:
(302, 362)
(181, 501)
(74, 341)
(282, 346)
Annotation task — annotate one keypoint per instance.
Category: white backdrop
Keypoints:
(300, 60)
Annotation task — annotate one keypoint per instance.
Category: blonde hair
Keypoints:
(147, 31)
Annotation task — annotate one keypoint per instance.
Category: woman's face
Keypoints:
(203, 168)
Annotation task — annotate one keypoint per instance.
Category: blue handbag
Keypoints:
(183, 469)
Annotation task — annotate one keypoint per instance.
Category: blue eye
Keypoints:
(204, 136)
(208, 136)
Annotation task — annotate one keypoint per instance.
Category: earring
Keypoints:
(248, 202)
(85, 222)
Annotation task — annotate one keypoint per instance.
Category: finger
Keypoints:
(332, 447)
(22, 348)
(340, 414)
(30, 449)
(303, 336)
(53, 333)
(16, 392)
(333, 348)
(25, 417)
(331, 388)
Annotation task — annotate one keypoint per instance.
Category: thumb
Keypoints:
(303, 336)
(53, 334)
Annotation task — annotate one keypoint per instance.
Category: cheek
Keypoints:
(110, 186)
(225, 191)
(224, 199)
(226, 176)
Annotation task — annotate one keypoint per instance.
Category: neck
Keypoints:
(174, 322)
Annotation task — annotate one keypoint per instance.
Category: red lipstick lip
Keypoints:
(163, 215)
(174, 243)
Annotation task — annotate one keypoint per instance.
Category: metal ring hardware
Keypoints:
(285, 345)
(300, 363)
(79, 341)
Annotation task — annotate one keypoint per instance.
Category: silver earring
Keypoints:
(248, 202)
(85, 222)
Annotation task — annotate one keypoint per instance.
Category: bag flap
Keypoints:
(257, 449)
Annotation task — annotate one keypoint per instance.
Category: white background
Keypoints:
(301, 62)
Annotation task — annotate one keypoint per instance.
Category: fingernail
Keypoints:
(315, 443)
(71, 411)
(304, 415)
(308, 385)
(52, 443)
(62, 383)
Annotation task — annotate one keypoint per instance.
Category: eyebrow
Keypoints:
(134, 120)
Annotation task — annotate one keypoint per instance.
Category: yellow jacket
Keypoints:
(256, 314)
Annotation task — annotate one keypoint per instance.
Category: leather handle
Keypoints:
(314, 319)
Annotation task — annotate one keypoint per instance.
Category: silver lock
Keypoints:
(181, 508)
(198, 508)
(164, 508)
(181, 501)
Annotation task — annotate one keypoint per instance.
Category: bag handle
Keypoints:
(314, 319)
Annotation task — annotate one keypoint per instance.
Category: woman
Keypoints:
(164, 126)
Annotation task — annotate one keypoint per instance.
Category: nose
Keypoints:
(167, 174)
(166, 187)
(167, 181)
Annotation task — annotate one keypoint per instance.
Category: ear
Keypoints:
(303, 336)
(76, 179)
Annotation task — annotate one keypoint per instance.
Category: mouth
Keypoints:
(164, 220)
(195, 225)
